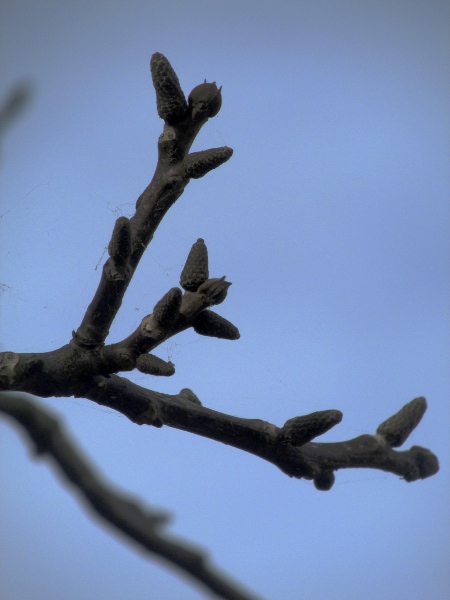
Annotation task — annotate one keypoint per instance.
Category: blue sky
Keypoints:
(332, 221)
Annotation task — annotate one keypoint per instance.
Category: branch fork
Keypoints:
(87, 366)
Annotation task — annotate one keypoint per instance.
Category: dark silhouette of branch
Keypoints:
(86, 367)
(126, 514)
(290, 447)
(14, 104)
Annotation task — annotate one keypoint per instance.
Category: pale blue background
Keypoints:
(331, 220)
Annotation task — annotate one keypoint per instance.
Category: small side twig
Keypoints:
(128, 515)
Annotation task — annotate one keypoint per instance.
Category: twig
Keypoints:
(87, 368)
(128, 515)
(174, 169)
(288, 447)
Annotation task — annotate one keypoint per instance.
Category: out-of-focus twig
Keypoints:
(126, 514)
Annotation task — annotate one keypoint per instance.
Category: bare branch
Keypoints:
(127, 515)
(173, 172)
(86, 368)
(311, 460)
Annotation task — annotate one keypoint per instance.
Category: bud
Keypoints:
(167, 309)
(211, 324)
(195, 271)
(170, 101)
(188, 394)
(397, 428)
(300, 430)
(215, 290)
(197, 164)
(205, 99)
(153, 365)
(119, 247)
(324, 481)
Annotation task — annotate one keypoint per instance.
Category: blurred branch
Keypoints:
(127, 515)
(14, 104)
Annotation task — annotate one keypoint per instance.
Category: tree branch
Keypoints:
(174, 169)
(288, 447)
(87, 368)
(126, 514)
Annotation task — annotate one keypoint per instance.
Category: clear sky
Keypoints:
(332, 221)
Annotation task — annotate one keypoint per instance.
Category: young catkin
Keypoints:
(170, 101)
(195, 271)
(213, 325)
